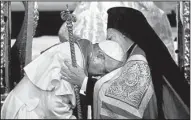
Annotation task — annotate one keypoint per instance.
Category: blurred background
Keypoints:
(50, 22)
(50, 16)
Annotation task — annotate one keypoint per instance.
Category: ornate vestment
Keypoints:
(126, 92)
(92, 17)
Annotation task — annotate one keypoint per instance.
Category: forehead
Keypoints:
(96, 48)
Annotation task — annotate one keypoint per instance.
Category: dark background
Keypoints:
(50, 22)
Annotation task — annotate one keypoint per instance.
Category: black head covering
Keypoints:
(134, 25)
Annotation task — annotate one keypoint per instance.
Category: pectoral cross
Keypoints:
(69, 18)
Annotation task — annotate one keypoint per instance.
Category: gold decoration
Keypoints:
(186, 31)
(2, 66)
(5, 42)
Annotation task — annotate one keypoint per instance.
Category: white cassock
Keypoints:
(42, 93)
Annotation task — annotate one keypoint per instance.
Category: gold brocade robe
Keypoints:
(128, 93)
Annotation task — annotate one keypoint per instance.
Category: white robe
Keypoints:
(42, 93)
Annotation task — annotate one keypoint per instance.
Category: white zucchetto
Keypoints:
(112, 49)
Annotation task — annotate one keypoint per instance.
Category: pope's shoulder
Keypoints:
(25, 86)
(83, 43)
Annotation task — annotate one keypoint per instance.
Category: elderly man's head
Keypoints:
(105, 57)
(124, 40)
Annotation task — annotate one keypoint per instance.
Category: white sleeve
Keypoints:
(84, 85)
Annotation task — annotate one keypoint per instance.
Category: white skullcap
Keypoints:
(112, 49)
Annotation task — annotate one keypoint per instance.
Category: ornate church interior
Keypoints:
(28, 28)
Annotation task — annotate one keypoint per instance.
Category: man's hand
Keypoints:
(73, 75)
